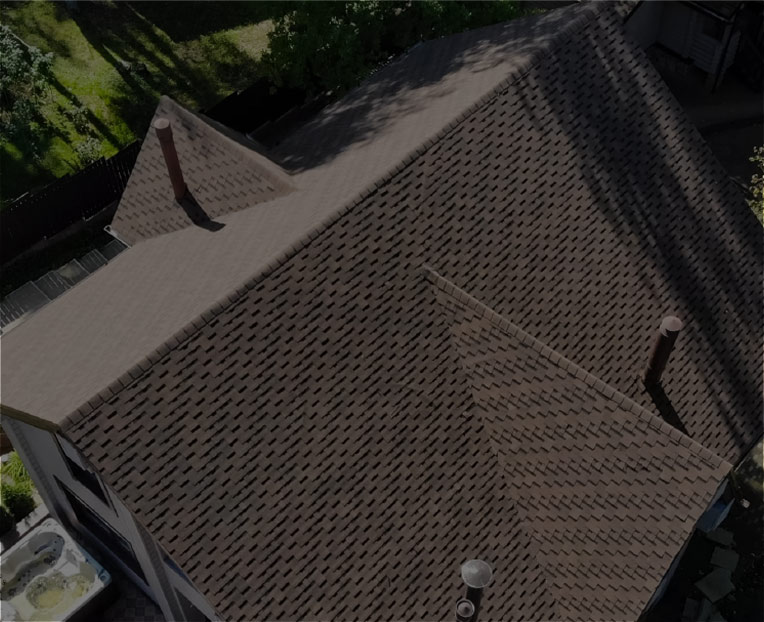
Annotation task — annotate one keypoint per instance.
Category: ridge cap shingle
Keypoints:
(588, 13)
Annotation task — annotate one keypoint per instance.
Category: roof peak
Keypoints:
(223, 173)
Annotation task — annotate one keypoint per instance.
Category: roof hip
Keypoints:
(588, 13)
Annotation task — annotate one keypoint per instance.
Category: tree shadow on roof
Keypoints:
(444, 70)
(699, 255)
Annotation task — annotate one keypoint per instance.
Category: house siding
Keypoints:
(42, 454)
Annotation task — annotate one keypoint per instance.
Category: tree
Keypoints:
(332, 46)
(24, 84)
(757, 183)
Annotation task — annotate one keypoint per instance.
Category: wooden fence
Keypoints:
(34, 217)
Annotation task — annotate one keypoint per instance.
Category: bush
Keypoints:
(15, 469)
(332, 46)
(87, 151)
(6, 521)
(24, 83)
(17, 498)
(78, 115)
(757, 183)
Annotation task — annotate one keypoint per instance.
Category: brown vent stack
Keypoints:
(164, 132)
(664, 343)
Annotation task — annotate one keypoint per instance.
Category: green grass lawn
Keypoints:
(115, 59)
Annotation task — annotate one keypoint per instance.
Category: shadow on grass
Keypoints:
(99, 125)
(185, 21)
(150, 66)
(26, 172)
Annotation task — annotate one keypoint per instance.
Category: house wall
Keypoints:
(683, 30)
(645, 23)
(677, 25)
(43, 454)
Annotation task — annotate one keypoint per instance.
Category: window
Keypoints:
(77, 468)
(87, 479)
(106, 534)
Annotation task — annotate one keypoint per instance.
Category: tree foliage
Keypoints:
(15, 469)
(332, 46)
(6, 521)
(757, 183)
(18, 499)
(24, 83)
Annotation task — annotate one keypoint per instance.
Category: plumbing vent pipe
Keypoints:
(465, 610)
(477, 575)
(164, 132)
(664, 343)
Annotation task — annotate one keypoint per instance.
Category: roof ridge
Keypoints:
(198, 139)
(236, 139)
(587, 13)
(555, 357)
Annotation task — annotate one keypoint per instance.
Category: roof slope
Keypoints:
(162, 285)
(534, 199)
(337, 471)
(608, 492)
(586, 209)
(222, 176)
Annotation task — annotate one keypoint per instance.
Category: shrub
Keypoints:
(16, 470)
(88, 151)
(24, 83)
(757, 183)
(18, 499)
(78, 115)
(332, 46)
(6, 520)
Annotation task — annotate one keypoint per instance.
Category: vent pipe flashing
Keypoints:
(465, 610)
(164, 132)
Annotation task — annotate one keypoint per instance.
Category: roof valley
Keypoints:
(598, 385)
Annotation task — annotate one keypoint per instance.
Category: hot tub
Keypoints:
(48, 576)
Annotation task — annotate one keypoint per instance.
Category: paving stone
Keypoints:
(724, 558)
(716, 585)
(92, 261)
(72, 272)
(721, 536)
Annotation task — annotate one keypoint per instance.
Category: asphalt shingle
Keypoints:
(608, 500)
(316, 425)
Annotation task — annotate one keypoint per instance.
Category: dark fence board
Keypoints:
(35, 217)
(256, 105)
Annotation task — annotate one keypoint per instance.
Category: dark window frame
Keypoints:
(89, 479)
(99, 528)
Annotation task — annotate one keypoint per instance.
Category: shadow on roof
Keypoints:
(446, 68)
(647, 190)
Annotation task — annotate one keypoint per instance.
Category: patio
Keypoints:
(129, 603)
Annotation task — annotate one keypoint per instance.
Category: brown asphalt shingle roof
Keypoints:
(608, 492)
(222, 176)
(577, 202)
(160, 287)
